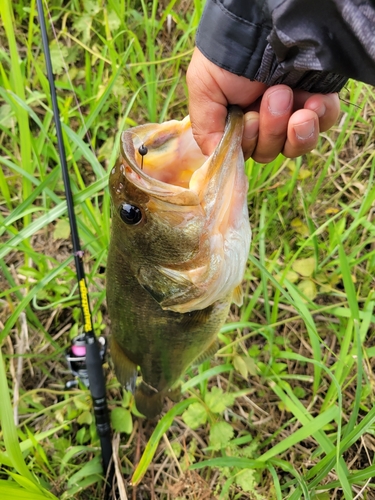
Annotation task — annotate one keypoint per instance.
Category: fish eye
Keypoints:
(130, 214)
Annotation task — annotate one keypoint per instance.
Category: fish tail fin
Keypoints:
(148, 400)
(126, 370)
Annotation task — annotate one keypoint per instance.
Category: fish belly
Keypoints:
(162, 343)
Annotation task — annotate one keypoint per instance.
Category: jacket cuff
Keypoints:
(232, 41)
(271, 72)
(240, 45)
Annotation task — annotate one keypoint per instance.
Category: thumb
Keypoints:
(207, 104)
(211, 90)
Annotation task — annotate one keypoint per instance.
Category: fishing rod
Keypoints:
(86, 356)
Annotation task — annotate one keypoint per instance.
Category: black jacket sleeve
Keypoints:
(315, 45)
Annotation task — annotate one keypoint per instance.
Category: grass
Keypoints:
(286, 408)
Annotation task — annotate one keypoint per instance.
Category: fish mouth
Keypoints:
(172, 157)
(216, 186)
(174, 169)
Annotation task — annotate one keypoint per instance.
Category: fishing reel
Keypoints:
(76, 358)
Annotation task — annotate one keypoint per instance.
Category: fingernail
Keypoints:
(280, 101)
(304, 130)
(320, 110)
(251, 128)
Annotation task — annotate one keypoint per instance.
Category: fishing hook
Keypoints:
(142, 150)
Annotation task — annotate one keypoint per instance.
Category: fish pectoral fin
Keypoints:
(180, 302)
(163, 284)
(238, 295)
(207, 354)
(179, 278)
(126, 371)
(167, 286)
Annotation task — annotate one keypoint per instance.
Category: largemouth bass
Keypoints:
(179, 245)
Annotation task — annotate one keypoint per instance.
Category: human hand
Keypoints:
(277, 119)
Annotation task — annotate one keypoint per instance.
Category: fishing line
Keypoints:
(90, 350)
(143, 149)
(66, 69)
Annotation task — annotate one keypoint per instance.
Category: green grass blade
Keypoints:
(312, 331)
(161, 428)
(9, 429)
(310, 428)
(12, 491)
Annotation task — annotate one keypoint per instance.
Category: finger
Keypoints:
(327, 107)
(275, 110)
(250, 134)
(303, 133)
(207, 105)
(211, 89)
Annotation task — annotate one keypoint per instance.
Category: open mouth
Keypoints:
(172, 154)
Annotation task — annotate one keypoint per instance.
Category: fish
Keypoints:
(179, 245)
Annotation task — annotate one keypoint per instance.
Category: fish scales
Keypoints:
(177, 253)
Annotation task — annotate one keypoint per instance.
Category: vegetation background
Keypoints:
(286, 407)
